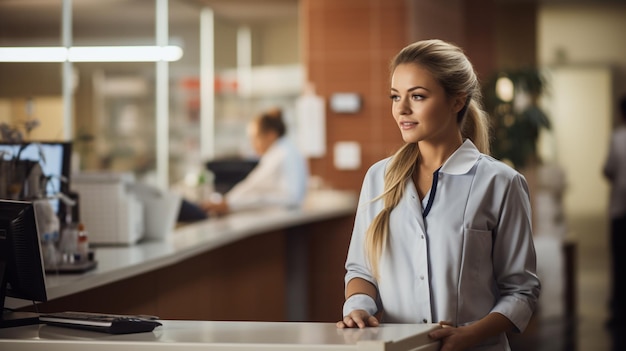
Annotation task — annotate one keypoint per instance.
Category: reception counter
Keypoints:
(235, 336)
(269, 265)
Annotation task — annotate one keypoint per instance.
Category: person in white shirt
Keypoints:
(615, 172)
(279, 179)
(443, 231)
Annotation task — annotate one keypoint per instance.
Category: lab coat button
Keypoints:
(421, 277)
(422, 236)
(424, 320)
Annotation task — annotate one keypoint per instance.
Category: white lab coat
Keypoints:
(280, 179)
(472, 254)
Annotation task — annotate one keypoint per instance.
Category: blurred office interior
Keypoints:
(263, 53)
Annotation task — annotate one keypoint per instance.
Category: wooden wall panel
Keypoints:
(326, 268)
(348, 45)
(347, 48)
(251, 279)
(480, 38)
(241, 281)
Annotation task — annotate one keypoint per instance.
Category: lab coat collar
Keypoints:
(281, 141)
(462, 160)
(277, 143)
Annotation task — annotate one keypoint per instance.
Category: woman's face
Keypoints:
(420, 106)
(260, 141)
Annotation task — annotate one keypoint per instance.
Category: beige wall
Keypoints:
(580, 109)
(584, 34)
(280, 44)
(273, 43)
(47, 109)
(584, 49)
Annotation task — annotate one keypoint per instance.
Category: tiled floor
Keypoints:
(588, 331)
(593, 283)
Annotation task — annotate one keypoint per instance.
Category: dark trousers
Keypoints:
(618, 252)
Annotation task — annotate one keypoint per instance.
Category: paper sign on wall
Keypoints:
(347, 155)
(311, 124)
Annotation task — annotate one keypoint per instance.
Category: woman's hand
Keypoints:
(358, 319)
(462, 338)
(215, 208)
(454, 339)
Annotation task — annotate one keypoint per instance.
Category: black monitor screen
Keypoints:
(229, 172)
(21, 265)
(54, 159)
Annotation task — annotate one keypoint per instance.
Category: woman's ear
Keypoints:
(459, 102)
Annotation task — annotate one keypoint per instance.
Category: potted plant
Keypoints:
(511, 98)
(20, 179)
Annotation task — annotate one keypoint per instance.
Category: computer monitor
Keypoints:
(21, 264)
(55, 164)
(230, 171)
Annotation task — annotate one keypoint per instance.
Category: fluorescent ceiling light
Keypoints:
(34, 54)
(124, 53)
(91, 54)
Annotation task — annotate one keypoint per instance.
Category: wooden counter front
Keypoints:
(270, 265)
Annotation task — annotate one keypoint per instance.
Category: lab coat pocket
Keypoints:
(477, 252)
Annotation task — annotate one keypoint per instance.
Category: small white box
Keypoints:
(108, 208)
(160, 210)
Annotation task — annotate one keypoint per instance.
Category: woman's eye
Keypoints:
(394, 97)
(417, 97)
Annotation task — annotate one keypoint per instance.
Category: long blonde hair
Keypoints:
(451, 68)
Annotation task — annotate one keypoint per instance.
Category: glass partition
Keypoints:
(114, 102)
(30, 91)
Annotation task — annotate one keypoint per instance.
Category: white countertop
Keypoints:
(240, 336)
(119, 262)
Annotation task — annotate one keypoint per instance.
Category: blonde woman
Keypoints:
(443, 231)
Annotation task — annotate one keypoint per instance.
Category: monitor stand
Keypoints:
(9, 318)
(17, 319)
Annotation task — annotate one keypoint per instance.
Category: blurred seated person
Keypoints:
(279, 179)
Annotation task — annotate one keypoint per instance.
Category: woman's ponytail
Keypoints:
(475, 126)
